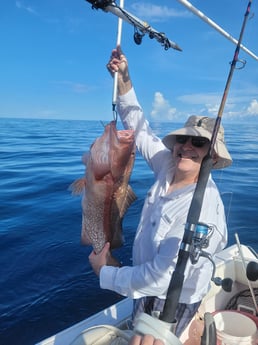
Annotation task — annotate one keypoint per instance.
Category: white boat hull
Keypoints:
(229, 264)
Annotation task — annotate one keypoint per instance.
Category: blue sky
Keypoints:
(54, 54)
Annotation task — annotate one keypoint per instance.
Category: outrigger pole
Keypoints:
(209, 21)
(142, 26)
(191, 232)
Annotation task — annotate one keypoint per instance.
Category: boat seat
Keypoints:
(103, 335)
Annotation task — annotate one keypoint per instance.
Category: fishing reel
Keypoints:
(137, 36)
(159, 36)
(200, 241)
(102, 4)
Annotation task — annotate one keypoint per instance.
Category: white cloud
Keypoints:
(209, 103)
(200, 98)
(74, 86)
(161, 108)
(29, 9)
(157, 13)
(253, 108)
(203, 104)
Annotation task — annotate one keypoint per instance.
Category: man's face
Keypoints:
(189, 152)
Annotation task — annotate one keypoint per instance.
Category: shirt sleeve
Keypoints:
(148, 279)
(148, 144)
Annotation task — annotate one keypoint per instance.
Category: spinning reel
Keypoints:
(200, 241)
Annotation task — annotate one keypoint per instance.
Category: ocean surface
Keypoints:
(46, 283)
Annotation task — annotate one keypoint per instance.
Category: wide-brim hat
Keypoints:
(202, 126)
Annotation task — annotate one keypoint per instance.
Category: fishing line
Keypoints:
(229, 204)
(192, 222)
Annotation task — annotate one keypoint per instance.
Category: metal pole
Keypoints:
(118, 43)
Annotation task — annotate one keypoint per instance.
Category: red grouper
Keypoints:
(105, 187)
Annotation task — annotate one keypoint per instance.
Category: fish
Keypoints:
(106, 193)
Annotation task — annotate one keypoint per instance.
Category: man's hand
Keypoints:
(104, 258)
(118, 63)
(145, 340)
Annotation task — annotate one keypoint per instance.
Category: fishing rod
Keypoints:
(209, 21)
(140, 27)
(194, 231)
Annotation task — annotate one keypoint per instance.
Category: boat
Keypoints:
(237, 263)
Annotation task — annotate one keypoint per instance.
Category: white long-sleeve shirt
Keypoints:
(162, 223)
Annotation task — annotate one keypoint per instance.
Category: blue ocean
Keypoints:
(46, 282)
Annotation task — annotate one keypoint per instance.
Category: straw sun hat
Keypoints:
(202, 126)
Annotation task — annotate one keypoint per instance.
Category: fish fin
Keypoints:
(122, 202)
(130, 197)
(123, 198)
(77, 186)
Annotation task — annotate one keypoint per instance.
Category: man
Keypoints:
(176, 162)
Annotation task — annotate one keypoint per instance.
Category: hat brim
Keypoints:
(224, 159)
